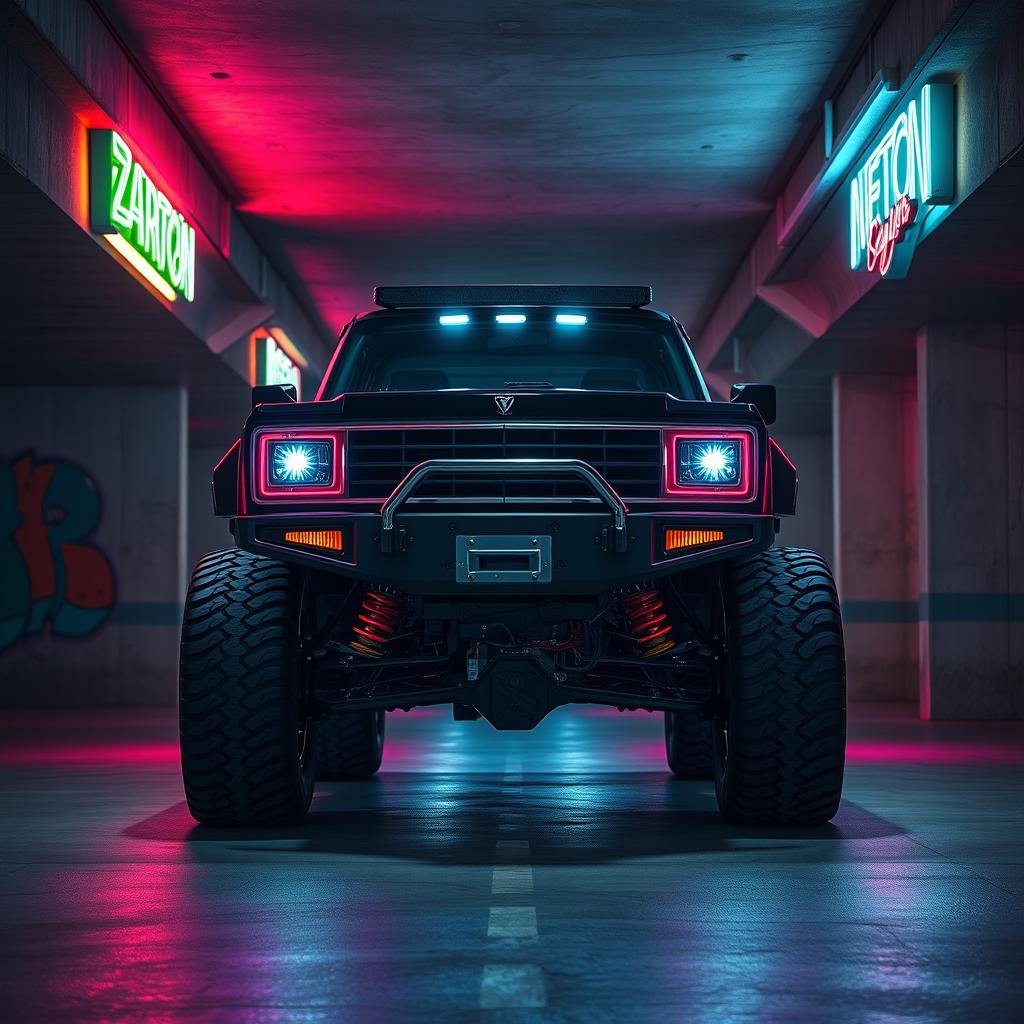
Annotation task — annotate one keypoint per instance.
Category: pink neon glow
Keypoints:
(671, 482)
(884, 237)
(926, 752)
(155, 754)
(278, 494)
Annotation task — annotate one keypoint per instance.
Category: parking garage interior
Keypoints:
(315, 150)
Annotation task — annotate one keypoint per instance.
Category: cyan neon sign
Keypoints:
(911, 169)
(137, 219)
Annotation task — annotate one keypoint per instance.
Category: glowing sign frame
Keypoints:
(137, 219)
(911, 169)
(275, 359)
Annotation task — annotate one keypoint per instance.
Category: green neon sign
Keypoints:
(138, 220)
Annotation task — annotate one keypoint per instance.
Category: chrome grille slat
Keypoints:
(629, 459)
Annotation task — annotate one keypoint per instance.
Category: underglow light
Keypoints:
(139, 262)
(570, 319)
(716, 462)
(510, 318)
(125, 201)
(453, 319)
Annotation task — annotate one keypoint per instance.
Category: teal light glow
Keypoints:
(570, 319)
(510, 318)
(453, 319)
(913, 165)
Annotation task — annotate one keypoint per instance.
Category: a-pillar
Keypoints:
(971, 431)
(874, 477)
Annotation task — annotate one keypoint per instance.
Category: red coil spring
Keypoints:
(648, 621)
(377, 621)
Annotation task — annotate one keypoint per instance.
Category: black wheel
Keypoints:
(780, 748)
(349, 744)
(247, 734)
(689, 747)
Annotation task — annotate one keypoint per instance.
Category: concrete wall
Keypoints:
(92, 544)
(874, 439)
(811, 527)
(205, 531)
(971, 430)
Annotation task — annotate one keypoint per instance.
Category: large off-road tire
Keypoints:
(689, 745)
(349, 744)
(780, 749)
(247, 734)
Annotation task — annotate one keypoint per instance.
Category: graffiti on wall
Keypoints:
(49, 572)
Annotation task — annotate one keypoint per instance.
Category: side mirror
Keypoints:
(273, 394)
(760, 396)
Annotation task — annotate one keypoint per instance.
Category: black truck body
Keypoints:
(517, 546)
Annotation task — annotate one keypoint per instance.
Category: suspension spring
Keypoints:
(377, 621)
(649, 620)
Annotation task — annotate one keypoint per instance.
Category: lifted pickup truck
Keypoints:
(509, 499)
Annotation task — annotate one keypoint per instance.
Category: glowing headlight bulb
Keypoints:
(716, 463)
(294, 462)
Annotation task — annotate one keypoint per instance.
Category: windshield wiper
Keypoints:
(528, 384)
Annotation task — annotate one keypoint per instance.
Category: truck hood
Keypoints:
(546, 406)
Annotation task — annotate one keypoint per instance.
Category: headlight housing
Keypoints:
(710, 464)
(295, 464)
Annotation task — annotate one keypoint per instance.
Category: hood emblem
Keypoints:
(504, 403)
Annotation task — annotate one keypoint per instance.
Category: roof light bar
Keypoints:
(453, 319)
(570, 319)
(621, 296)
(510, 318)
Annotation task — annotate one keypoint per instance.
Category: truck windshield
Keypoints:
(379, 356)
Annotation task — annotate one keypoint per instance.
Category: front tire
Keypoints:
(780, 748)
(349, 745)
(247, 734)
(689, 745)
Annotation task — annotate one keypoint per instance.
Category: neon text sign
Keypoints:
(911, 168)
(137, 219)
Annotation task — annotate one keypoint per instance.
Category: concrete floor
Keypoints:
(556, 875)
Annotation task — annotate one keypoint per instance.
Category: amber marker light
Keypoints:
(331, 540)
(676, 540)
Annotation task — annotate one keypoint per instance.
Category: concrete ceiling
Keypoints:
(486, 140)
(74, 316)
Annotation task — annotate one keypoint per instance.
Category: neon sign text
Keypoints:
(137, 219)
(884, 236)
(912, 165)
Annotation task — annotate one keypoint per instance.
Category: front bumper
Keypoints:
(425, 547)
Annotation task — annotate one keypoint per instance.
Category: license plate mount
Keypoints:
(502, 558)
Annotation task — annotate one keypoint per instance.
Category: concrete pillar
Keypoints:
(874, 477)
(971, 428)
(92, 544)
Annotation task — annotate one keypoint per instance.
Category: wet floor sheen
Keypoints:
(557, 875)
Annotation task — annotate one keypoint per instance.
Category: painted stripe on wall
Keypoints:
(952, 607)
(148, 613)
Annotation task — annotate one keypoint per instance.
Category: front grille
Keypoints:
(630, 460)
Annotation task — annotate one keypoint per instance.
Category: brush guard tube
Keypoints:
(616, 534)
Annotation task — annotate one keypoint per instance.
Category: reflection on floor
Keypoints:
(555, 875)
